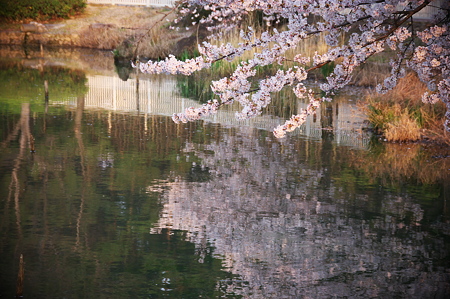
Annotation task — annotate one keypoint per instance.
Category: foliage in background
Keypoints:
(158, 43)
(21, 84)
(39, 9)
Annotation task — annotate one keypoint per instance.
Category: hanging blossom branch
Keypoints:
(372, 26)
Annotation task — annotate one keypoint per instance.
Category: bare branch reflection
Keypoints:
(78, 135)
(23, 126)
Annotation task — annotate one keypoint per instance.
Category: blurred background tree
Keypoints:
(39, 10)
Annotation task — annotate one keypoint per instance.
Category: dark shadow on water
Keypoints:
(123, 68)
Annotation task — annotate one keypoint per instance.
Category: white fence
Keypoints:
(159, 95)
(134, 2)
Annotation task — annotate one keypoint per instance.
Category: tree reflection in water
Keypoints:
(230, 210)
(293, 219)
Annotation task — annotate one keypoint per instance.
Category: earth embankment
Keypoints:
(105, 27)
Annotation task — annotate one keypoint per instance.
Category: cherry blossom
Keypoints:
(370, 27)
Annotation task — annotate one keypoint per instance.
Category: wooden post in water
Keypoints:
(46, 95)
(138, 108)
(32, 150)
(20, 276)
(46, 90)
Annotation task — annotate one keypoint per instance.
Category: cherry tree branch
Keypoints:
(374, 24)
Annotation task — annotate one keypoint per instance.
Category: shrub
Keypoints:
(39, 10)
(404, 128)
(401, 116)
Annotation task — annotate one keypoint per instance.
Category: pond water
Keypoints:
(105, 197)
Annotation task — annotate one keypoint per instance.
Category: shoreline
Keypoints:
(102, 27)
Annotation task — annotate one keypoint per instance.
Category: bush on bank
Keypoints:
(401, 116)
(39, 10)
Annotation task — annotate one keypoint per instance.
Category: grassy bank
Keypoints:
(103, 27)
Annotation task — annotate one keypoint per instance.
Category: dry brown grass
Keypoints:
(370, 74)
(409, 88)
(119, 16)
(436, 133)
(403, 129)
(156, 43)
(106, 38)
(122, 27)
(401, 116)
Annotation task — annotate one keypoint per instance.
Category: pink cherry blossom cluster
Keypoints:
(431, 61)
(191, 113)
(371, 27)
(297, 120)
(173, 66)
